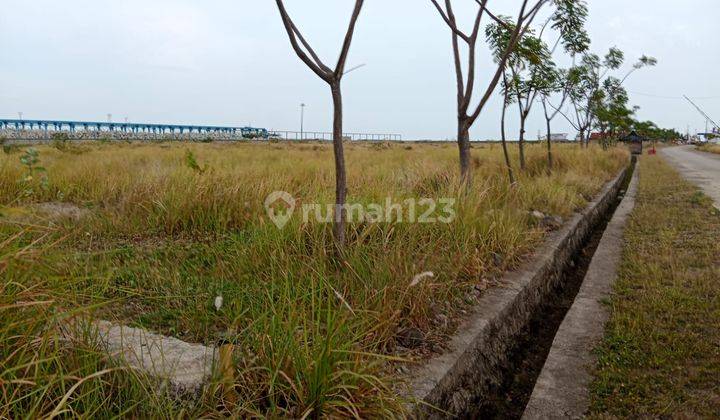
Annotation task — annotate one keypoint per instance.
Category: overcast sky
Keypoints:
(228, 62)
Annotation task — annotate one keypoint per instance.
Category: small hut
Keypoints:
(634, 142)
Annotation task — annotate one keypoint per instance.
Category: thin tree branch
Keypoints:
(467, 97)
(535, 9)
(450, 23)
(291, 29)
(340, 68)
(459, 78)
(577, 127)
(520, 30)
(309, 48)
(494, 17)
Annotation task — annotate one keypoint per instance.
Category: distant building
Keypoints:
(593, 137)
(553, 136)
(634, 142)
(712, 137)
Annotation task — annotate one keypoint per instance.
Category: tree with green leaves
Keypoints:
(465, 73)
(530, 71)
(588, 80)
(525, 71)
(575, 40)
(651, 131)
(612, 114)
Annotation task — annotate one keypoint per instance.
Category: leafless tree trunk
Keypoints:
(551, 116)
(549, 137)
(340, 173)
(521, 138)
(333, 78)
(503, 139)
(465, 78)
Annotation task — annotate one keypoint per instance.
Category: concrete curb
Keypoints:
(448, 384)
(561, 390)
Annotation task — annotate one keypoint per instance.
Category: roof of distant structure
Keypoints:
(633, 136)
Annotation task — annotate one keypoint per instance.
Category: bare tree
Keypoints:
(333, 77)
(465, 74)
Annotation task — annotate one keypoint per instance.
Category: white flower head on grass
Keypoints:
(420, 277)
(218, 302)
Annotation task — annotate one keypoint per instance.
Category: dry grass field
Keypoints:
(150, 234)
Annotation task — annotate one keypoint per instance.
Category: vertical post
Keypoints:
(302, 121)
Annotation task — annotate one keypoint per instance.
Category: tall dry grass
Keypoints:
(162, 240)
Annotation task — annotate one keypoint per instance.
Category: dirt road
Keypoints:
(701, 168)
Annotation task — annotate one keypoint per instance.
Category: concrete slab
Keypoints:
(561, 390)
(183, 368)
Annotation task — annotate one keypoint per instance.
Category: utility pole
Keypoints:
(707, 117)
(302, 121)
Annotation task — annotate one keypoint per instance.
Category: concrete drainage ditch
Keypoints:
(561, 390)
(498, 352)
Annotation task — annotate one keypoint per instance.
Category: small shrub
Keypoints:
(192, 163)
(700, 199)
(35, 175)
(60, 140)
(384, 145)
(7, 148)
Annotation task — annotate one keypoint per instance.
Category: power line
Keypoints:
(672, 97)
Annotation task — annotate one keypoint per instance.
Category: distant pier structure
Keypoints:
(128, 128)
(22, 129)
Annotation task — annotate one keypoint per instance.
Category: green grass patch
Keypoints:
(661, 353)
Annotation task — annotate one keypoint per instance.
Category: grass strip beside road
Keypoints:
(661, 352)
(711, 148)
